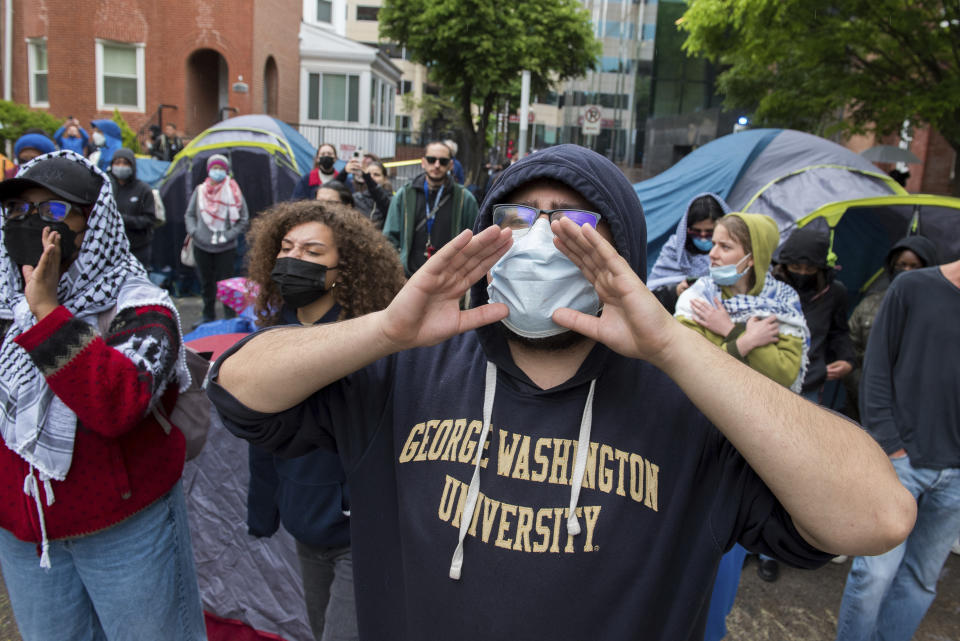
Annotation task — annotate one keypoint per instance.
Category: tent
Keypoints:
(267, 158)
(799, 179)
(865, 228)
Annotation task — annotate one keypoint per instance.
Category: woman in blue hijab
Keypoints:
(684, 257)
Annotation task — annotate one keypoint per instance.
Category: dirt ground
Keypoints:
(800, 606)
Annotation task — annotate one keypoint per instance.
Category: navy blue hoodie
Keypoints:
(664, 494)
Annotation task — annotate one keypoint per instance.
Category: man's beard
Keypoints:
(555, 343)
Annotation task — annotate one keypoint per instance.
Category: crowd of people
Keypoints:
(457, 409)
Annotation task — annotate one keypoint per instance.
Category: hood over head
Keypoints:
(608, 191)
(922, 246)
(595, 178)
(110, 129)
(675, 262)
(114, 141)
(764, 236)
(807, 246)
(130, 157)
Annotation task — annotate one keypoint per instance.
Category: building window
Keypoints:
(404, 87)
(120, 76)
(333, 96)
(613, 64)
(386, 101)
(324, 11)
(313, 97)
(367, 13)
(37, 61)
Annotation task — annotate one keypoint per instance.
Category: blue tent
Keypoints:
(783, 173)
(800, 179)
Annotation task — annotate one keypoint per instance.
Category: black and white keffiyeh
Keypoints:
(776, 298)
(104, 278)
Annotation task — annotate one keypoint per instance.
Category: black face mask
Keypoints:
(325, 163)
(301, 282)
(24, 240)
(803, 282)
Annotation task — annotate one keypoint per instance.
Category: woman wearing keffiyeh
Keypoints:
(756, 318)
(216, 217)
(90, 481)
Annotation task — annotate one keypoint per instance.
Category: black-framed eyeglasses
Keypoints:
(700, 233)
(52, 211)
(523, 216)
(431, 160)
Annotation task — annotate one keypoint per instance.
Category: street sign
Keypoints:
(591, 120)
(530, 117)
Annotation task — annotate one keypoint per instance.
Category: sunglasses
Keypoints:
(523, 217)
(431, 160)
(700, 233)
(52, 211)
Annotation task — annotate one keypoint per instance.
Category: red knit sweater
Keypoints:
(122, 459)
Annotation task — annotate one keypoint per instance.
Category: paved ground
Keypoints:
(801, 606)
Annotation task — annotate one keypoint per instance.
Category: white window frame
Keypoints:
(346, 96)
(138, 47)
(316, 12)
(32, 44)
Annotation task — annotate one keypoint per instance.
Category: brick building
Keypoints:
(209, 58)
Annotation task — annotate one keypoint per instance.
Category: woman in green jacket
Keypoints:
(742, 308)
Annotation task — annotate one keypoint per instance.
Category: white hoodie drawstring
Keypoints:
(489, 390)
(473, 491)
(580, 464)
(32, 488)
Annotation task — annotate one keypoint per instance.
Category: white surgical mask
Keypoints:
(98, 139)
(534, 279)
(217, 175)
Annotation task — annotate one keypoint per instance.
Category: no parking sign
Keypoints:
(591, 120)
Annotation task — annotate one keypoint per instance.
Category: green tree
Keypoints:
(476, 49)
(130, 140)
(835, 65)
(15, 119)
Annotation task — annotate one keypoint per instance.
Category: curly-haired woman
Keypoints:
(315, 262)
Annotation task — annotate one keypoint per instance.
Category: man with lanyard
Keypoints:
(426, 213)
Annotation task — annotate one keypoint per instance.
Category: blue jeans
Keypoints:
(328, 590)
(134, 580)
(886, 596)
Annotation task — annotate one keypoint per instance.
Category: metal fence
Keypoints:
(388, 144)
(394, 144)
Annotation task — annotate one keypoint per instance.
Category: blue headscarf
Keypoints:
(675, 262)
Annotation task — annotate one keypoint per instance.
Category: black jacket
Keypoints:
(136, 205)
(824, 303)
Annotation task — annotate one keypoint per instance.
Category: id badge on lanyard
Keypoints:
(431, 216)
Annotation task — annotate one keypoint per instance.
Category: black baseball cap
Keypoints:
(69, 179)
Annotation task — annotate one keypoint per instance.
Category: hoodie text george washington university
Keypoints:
(663, 492)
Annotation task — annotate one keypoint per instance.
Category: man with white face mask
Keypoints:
(563, 437)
